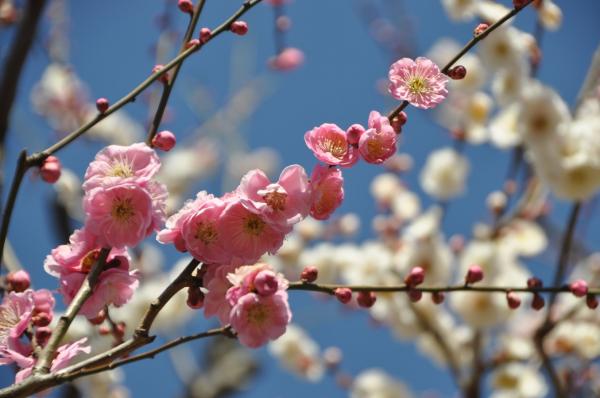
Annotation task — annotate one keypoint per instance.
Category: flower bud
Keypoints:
(579, 288)
(415, 295)
(102, 105)
(457, 73)
(474, 274)
(332, 357)
(343, 294)
(538, 302)
(205, 34)
(353, 133)
(192, 43)
(437, 297)
(164, 78)
(50, 169)
(496, 202)
(41, 319)
(591, 301)
(520, 3)
(534, 282)
(42, 334)
(239, 28)
(164, 140)
(98, 319)
(415, 277)
(186, 6)
(366, 299)
(265, 283)
(195, 298)
(309, 274)
(480, 29)
(17, 281)
(513, 300)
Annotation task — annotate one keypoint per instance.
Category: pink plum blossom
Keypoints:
(249, 235)
(378, 143)
(125, 213)
(330, 145)
(258, 319)
(257, 278)
(283, 203)
(327, 191)
(216, 282)
(172, 231)
(15, 313)
(419, 82)
(288, 59)
(116, 163)
(115, 285)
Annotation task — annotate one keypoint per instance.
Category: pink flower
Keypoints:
(64, 354)
(249, 235)
(201, 235)
(330, 145)
(257, 278)
(124, 214)
(283, 203)
(115, 163)
(72, 256)
(15, 313)
(43, 301)
(258, 319)
(419, 82)
(216, 282)
(378, 143)
(327, 185)
(172, 231)
(288, 59)
(115, 285)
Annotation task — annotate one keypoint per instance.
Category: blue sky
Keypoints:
(109, 49)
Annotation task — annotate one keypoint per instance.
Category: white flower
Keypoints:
(519, 381)
(373, 267)
(524, 238)
(543, 114)
(385, 187)
(460, 10)
(550, 15)
(491, 11)
(444, 174)
(505, 47)
(406, 205)
(375, 383)
(467, 113)
(503, 128)
(298, 353)
(509, 84)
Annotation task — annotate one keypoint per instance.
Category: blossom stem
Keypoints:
(168, 86)
(466, 49)
(330, 288)
(85, 291)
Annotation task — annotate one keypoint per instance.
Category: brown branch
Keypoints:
(85, 291)
(168, 86)
(466, 49)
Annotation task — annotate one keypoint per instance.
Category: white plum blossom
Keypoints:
(444, 174)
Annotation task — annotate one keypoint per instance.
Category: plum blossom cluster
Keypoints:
(25, 316)
(123, 205)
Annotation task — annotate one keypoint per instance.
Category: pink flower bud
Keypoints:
(119, 331)
(288, 59)
(102, 105)
(366, 299)
(538, 302)
(520, 3)
(104, 330)
(398, 121)
(164, 78)
(18, 281)
(353, 133)
(265, 283)
(591, 301)
(50, 170)
(98, 319)
(480, 29)
(309, 274)
(205, 34)
(192, 43)
(415, 295)
(457, 73)
(513, 300)
(534, 283)
(186, 6)
(474, 274)
(343, 294)
(415, 277)
(579, 288)
(438, 297)
(283, 23)
(41, 319)
(42, 334)
(239, 28)
(195, 298)
(164, 140)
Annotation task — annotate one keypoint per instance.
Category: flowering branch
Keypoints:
(168, 86)
(466, 49)
(38, 158)
(45, 358)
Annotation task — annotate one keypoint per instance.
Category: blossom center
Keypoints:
(122, 209)
(336, 146)
(206, 232)
(121, 169)
(375, 148)
(417, 85)
(89, 260)
(258, 314)
(253, 225)
(9, 318)
(275, 200)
